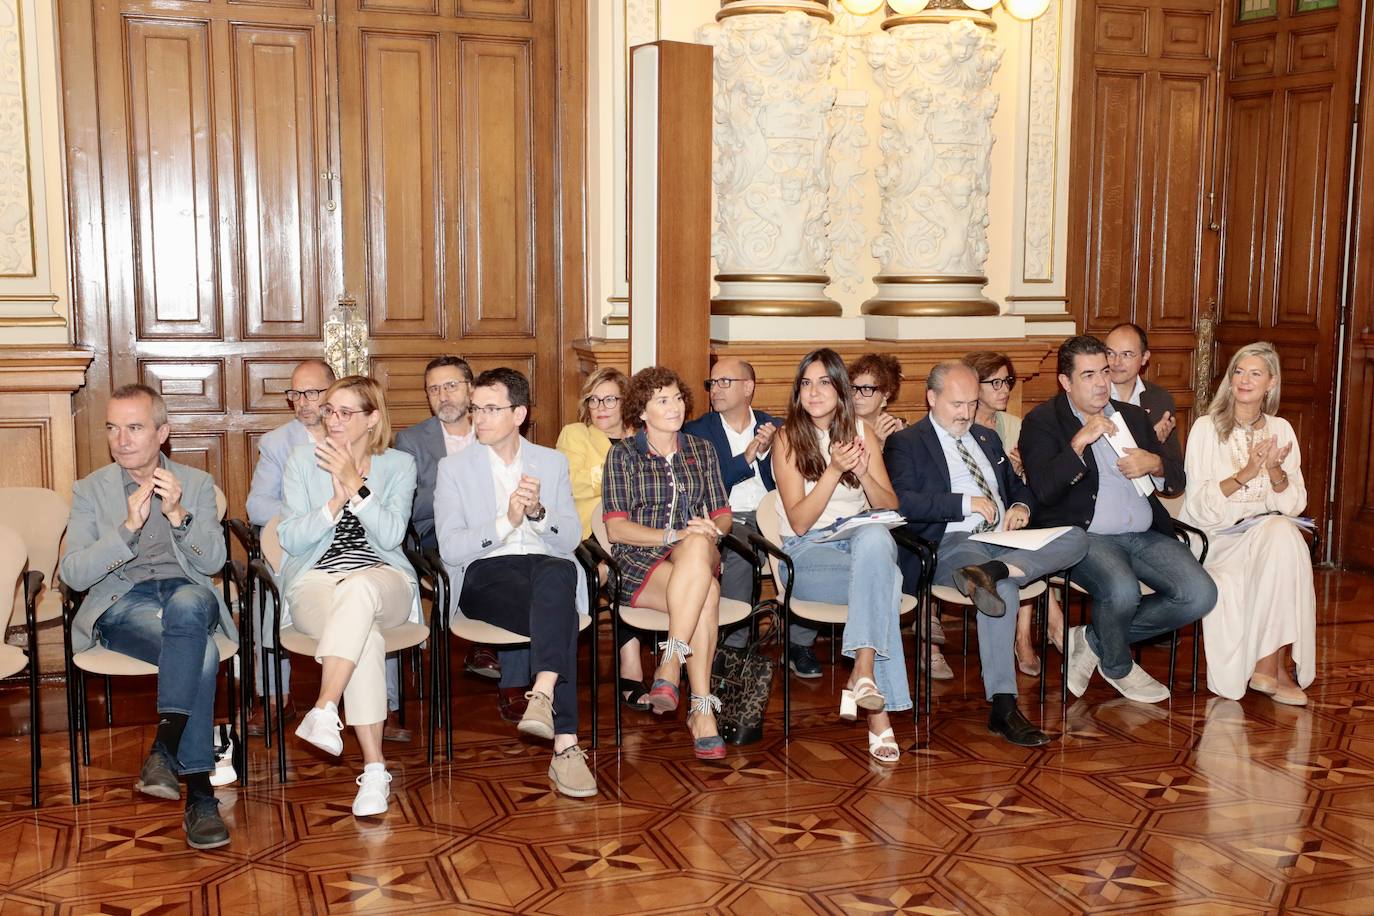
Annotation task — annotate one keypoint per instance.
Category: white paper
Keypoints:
(1022, 538)
(1122, 440)
(1251, 521)
(843, 528)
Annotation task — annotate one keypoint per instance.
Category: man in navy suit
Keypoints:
(953, 480)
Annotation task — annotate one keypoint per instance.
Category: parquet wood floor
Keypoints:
(1199, 806)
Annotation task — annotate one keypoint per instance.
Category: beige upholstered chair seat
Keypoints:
(487, 634)
(951, 594)
(397, 638)
(100, 660)
(12, 660)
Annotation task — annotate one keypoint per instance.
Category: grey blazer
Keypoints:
(95, 549)
(425, 443)
(466, 511)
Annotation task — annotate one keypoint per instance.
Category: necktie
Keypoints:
(979, 479)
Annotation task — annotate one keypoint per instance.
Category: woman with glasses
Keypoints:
(996, 379)
(345, 578)
(876, 379)
(586, 444)
(828, 466)
(665, 509)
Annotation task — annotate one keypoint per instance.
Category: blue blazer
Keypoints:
(920, 476)
(465, 510)
(733, 468)
(425, 443)
(306, 531)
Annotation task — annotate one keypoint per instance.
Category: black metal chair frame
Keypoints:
(33, 584)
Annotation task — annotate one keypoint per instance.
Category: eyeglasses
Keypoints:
(310, 394)
(999, 383)
(344, 413)
(1122, 354)
(488, 410)
(450, 386)
(866, 391)
(722, 382)
(597, 403)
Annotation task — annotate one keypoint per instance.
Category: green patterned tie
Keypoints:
(982, 482)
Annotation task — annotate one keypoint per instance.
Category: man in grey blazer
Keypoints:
(1128, 353)
(507, 528)
(143, 540)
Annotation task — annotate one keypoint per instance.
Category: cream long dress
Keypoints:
(1265, 596)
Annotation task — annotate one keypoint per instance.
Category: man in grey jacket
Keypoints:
(143, 541)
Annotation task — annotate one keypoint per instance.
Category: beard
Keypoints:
(450, 413)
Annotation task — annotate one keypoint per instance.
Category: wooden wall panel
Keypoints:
(206, 452)
(1246, 191)
(404, 216)
(497, 197)
(1302, 239)
(188, 386)
(503, 9)
(275, 96)
(1180, 172)
(1115, 195)
(171, 157)
(25, 447)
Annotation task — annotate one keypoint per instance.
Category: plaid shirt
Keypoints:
(641, 486)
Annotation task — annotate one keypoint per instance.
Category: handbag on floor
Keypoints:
(742, 679)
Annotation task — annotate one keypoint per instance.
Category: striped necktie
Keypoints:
(978, 478)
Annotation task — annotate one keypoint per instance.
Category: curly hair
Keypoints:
(986, 362)
(604, 374)
(642, 387)
(885, 368)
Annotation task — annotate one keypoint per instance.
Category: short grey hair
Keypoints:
(935, 381)
(137, 390)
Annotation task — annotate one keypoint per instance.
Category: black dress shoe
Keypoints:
(511, 703)
(803, 662)
(979, 586)
(204, 827)
(158, 777)
(483, 662)
(1006, 720)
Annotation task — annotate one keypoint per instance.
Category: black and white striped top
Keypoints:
(350, 549)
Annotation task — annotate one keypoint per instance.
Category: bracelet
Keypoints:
(668, 536)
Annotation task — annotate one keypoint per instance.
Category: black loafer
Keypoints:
(204, 827)
(975, 584)
(158, 777)
(1016, 728)
(803, 662)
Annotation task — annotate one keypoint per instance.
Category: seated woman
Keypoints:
(996, 379)
(586, 444)
(828, 466)
(345, 577)
(665, 509)
(876, 379)
(1243, 460)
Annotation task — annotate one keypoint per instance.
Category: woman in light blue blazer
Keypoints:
(345, 578)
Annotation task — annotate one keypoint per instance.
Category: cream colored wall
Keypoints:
(34, 303)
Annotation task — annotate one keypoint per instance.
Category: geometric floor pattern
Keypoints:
(1196, 806)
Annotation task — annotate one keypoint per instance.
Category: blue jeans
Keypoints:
(862, 573)
(168, 623)
(1112, 571)
(997, 635)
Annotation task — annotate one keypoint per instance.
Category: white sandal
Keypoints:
(849, 710)
(866, 695)
(885, 741)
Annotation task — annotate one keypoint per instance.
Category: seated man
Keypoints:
(1079, 479)
(309, 381)
(143, 540)
(510, 558)
(1128, 353)
(953, 480)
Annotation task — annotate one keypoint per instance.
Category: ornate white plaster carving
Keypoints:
(936, 141)
(641, 22)
(772, 135)
(846, 229)
(16, 220)
(1042, 137)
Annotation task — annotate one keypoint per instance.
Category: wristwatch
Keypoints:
(363, 493)
(185, 522)
(543, 511)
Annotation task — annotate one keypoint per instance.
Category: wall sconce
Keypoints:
(345, 339)
(1021, 9)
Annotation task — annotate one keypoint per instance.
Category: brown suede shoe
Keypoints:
(256, 719)
(511, 702)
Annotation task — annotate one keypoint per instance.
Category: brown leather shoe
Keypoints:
(392, 730)
(511, 701)
(483, 662)
(255, 721)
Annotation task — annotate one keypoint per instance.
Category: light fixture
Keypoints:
(980, 5)
(861, 7)
(1026, 9)
(908, 7)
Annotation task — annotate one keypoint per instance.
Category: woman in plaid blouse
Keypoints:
(665, 509)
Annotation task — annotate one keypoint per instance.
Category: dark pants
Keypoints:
(1112, 571)
(168, 623)
(535, 596)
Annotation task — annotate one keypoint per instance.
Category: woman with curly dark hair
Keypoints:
(876, 379)
(665, 509)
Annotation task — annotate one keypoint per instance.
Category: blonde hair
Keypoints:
(604, 374)
(370, 399)
(1222, 410)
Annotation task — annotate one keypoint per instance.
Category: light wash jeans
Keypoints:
(168, 623)
(861, 572)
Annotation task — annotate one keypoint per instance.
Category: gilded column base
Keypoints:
(774, 296)
(930, 297)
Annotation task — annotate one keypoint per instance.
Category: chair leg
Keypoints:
(1067, 608)
(594, 662)
(401, 689)
(615, 667)
(448, 695)
(433, 709)
(786, 675)
(109, 702)
(1043, 603)
(1197, 637)
(280, 702)
(72, 715)
(85, 725)
(35, 727)
(1173, 658)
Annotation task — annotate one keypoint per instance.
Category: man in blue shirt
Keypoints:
(1080, 478)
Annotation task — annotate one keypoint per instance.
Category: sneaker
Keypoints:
(374, 788)
(570, 774)
(204, 827)
(939, 668)
(1082, 661)
(538, 718)
(803, 662)
(322, 728)
(224, 758)
(1138, 685)
(158, 777)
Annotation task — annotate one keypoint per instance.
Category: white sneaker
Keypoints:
(1082, 661)
(374, 788)
(322, 728)
(1139, 686)
(224, 758)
